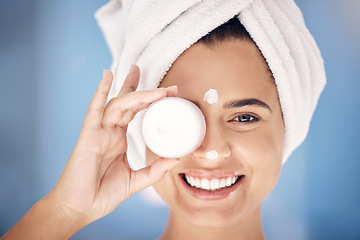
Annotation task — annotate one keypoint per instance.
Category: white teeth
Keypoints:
(228, 182)
(210, 184)
(192, 181)
(205, 184)
(187, 179)
(214, 184)
(197, 182)
(222, 183)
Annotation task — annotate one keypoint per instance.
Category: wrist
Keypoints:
(45, 220)
(69, 221)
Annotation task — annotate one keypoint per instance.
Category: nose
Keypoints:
(214, 146)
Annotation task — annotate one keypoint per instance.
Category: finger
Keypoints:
(128, 115)
(171, 91)
(131, 81)
(94, 115)
(134, 102)
(151, 174)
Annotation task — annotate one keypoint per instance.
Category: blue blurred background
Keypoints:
(51, 58)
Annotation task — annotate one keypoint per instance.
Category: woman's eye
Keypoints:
(245, 118)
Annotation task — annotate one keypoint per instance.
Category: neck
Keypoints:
(248, 228)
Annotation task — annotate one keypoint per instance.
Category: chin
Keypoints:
(214, 216)
(212, 220)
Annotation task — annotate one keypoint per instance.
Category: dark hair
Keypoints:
(231, 30)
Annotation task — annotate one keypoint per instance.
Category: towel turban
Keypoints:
(139, 32)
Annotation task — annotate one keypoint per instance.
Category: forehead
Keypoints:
(234, 68)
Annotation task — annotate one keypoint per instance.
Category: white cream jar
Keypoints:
(173, 127)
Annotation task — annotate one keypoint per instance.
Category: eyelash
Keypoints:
(253, 118)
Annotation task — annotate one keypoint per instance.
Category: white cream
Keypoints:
(173, 127)
(212, 155)
(211, 96)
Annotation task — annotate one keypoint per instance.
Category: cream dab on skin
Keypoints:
(212, 155)
(211, 96)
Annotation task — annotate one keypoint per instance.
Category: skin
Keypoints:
(97, 177)
(236, 69)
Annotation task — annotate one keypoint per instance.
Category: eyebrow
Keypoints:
(246, 102)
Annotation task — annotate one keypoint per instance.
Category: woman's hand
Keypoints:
(97, 177)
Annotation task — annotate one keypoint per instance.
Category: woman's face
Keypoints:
(245, 128)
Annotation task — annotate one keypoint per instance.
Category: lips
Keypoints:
(213, 186)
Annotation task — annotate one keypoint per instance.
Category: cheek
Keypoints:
(258, 146)
(260, 152)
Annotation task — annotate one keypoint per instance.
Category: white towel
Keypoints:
(153, 33)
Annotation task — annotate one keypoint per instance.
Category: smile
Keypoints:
(212, 186)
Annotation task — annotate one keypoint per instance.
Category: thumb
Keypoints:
(151, 174)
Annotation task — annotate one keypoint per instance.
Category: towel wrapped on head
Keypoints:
(154, 33)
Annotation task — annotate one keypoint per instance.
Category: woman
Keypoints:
(245, 128)
(268, 77)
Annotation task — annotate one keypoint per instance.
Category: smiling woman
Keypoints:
(253, 71)
(247, 134)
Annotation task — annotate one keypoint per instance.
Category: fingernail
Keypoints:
(103, 73)
(160, 89)
(175, 86)
(172, 162)
(132, 68)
